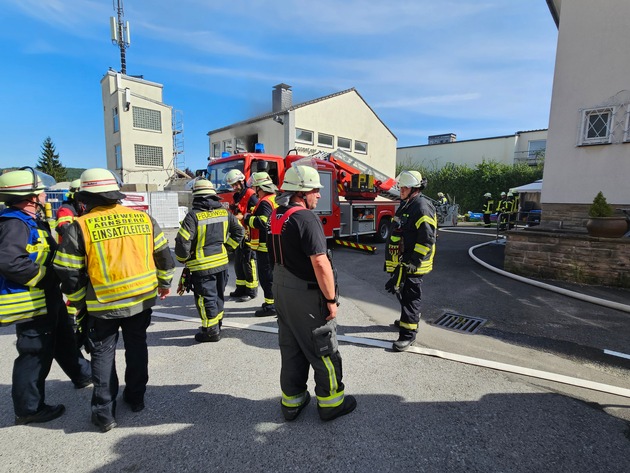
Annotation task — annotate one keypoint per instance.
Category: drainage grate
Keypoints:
(461, 323)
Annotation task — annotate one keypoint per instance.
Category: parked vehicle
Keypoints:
(356, 199)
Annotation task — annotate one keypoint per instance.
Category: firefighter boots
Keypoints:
(330, 413)
(246, 295)
(403, 344)
(239, 292)
(204, 336)
(291, 413)
(267, 310)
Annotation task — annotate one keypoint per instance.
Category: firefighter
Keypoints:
(502, 211)
(442, 200)
(68, 211)
(306, 300)
(113, 261)
(411, 248)
(30, 298)
(488, 203)
(514, 204)
(244, 201)
(201, 245)
(258, 223)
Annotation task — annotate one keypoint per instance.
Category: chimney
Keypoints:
(282, 97)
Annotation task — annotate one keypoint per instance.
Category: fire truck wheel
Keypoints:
(383, 231)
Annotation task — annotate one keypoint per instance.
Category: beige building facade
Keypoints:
(342, 120)
(523, 146)
(138, 131)
(588, 148)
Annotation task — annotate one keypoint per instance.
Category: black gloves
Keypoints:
(185, 282)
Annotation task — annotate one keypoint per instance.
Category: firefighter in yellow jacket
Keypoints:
(30, 298)
(201, 244)
(113, 261)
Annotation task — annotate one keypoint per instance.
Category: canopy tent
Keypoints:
(529, 195)
(532, 187)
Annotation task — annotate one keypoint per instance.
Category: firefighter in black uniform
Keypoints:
(244, 201)
(502, 211)
(258, 224)
(411, 248)
(306, 300)
(114, 261)
(488, 203)
(201, 244)
(30, 298)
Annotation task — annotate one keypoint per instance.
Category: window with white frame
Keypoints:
(116, 119)
(596, 126)
(227, 146)
(324, 140)
(303, 136)
(118, 156)
(360, 147)
(344, 143)
(147, 119)
(536, 149)
(148, 155)
(216, 150)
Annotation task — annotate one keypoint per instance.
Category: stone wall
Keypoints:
(569, 257)
(569, 215)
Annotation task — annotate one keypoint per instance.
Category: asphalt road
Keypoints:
(514, 312)
(215, 406)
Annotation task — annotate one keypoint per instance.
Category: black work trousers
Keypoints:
(39, 341)
(410, 300)
(306, 339)
(265, 273)
(103, 338)
(209, 291)
(245, 269)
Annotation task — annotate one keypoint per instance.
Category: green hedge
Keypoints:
(466, 186)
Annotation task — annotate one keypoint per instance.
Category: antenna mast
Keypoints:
(120, 32)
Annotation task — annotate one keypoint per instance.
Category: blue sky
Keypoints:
(477, 68)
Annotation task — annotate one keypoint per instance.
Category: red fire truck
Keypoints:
(355, 200)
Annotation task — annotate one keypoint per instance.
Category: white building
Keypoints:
(138, 131)
(588, 148)
(342, 120)
(523, 146)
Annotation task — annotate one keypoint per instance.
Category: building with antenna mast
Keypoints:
(143, 135)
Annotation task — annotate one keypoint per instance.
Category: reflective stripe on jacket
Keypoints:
(245, 201)
(416, 226)
(201, 240)
(66, 214)
(22, 302)
(258, 223)
(110, 233)
(487, 206)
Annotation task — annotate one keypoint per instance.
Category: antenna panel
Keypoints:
(127, 33)
(113, 27)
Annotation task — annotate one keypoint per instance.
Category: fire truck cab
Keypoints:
(351, 202)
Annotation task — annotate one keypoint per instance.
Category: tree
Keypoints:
(49, 161)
